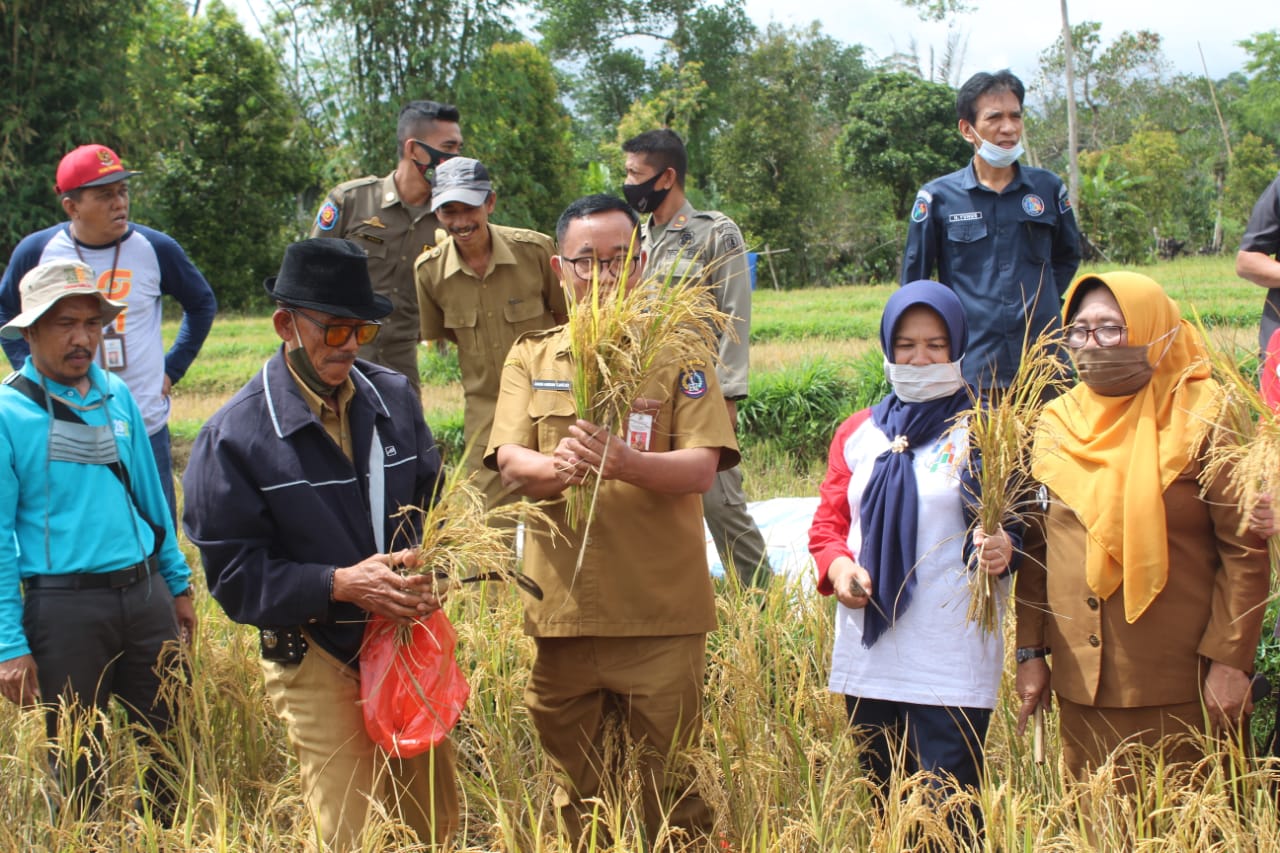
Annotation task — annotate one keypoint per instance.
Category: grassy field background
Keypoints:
(776, 759)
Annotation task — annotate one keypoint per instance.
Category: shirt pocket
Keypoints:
(967, 230)
(551, 413)
(687, 271)
(526, 314)
(1038, 231)
(461, 320)
(372, 240)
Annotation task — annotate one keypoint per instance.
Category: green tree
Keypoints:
(774, 165)
(687, 31)
(900, 134)
(62, 85)
(376, 54)
(523, 135)
(226, 188)
(1258, 109)
(1253, 167)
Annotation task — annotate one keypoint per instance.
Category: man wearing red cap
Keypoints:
(132, 264)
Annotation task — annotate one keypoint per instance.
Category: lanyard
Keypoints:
(115, 262)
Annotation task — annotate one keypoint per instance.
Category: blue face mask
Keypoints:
(997, 157)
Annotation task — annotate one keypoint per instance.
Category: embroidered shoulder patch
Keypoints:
(693, 384)
(920, 210)
(327, 217)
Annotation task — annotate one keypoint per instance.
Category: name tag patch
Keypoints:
(965, 217)
(552, 385)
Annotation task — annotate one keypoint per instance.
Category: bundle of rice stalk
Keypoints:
(621, 337)
(463, 540)
(1000, 431)
(1244, 442)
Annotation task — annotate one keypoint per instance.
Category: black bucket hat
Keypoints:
(330, 275)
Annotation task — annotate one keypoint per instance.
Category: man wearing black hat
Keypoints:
(290, 496)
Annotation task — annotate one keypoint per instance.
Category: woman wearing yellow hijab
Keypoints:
(1148, 599)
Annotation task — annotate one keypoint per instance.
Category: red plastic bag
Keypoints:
(413, 693)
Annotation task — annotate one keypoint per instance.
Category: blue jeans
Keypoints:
(164, 464)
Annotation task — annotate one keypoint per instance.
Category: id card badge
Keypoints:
(639, 430)
(113, 351)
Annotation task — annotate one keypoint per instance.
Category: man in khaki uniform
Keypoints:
(681, 241)
(625, 639)
(390, 218)
(483, 287)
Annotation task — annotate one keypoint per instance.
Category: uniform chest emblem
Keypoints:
(686, 238)
(327, 217)
(693, 384)
(920, 210)
(1032, 204)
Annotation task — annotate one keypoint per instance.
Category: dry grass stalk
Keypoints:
(620, 338)
(1244, 441)
(1000, 430)
(461, 538)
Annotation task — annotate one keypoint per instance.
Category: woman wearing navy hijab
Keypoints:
(890, 539)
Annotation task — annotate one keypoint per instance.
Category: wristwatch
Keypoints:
(1028, 654)
(189, 592)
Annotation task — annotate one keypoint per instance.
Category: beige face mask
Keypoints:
(1119, 371)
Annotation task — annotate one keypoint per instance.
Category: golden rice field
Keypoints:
(776, 759)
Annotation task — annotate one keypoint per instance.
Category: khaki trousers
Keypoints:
(653, 687)
(345, 777)
(1090, 735)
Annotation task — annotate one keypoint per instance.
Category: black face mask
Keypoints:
(643, 198)
(437, 157)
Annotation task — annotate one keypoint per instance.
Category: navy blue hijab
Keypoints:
(890, 502)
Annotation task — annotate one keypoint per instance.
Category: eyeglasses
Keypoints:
(1106, 336)
(337, 335)
(584, 266)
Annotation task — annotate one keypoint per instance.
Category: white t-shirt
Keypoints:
(931, 656)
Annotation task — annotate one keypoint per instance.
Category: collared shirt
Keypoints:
(1009, 256)
(645, 568)
(149, 265)
(335, 422)
(695, 242)
(60, 517)
(369, 212)
(1262, 234)
(518, 293)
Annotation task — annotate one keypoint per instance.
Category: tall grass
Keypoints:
(776, 760)
(776, 757)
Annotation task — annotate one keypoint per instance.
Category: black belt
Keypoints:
(119, 579)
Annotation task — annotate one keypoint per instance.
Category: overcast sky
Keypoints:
(1012, 33)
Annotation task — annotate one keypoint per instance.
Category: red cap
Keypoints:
(90, 166)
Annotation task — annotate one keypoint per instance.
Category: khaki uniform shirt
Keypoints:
(692, 243)
(1210, 607)
(369, 212)
(485, 314)
(645, 572)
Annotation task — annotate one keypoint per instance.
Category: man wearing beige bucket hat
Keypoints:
(72, 441)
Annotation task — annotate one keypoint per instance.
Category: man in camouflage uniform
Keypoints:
(693, 243)
(390, 218)
(482, 287)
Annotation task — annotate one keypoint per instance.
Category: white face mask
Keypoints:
(920, 383)
(999, 158)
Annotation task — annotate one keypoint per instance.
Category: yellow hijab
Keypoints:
(1110, 458)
